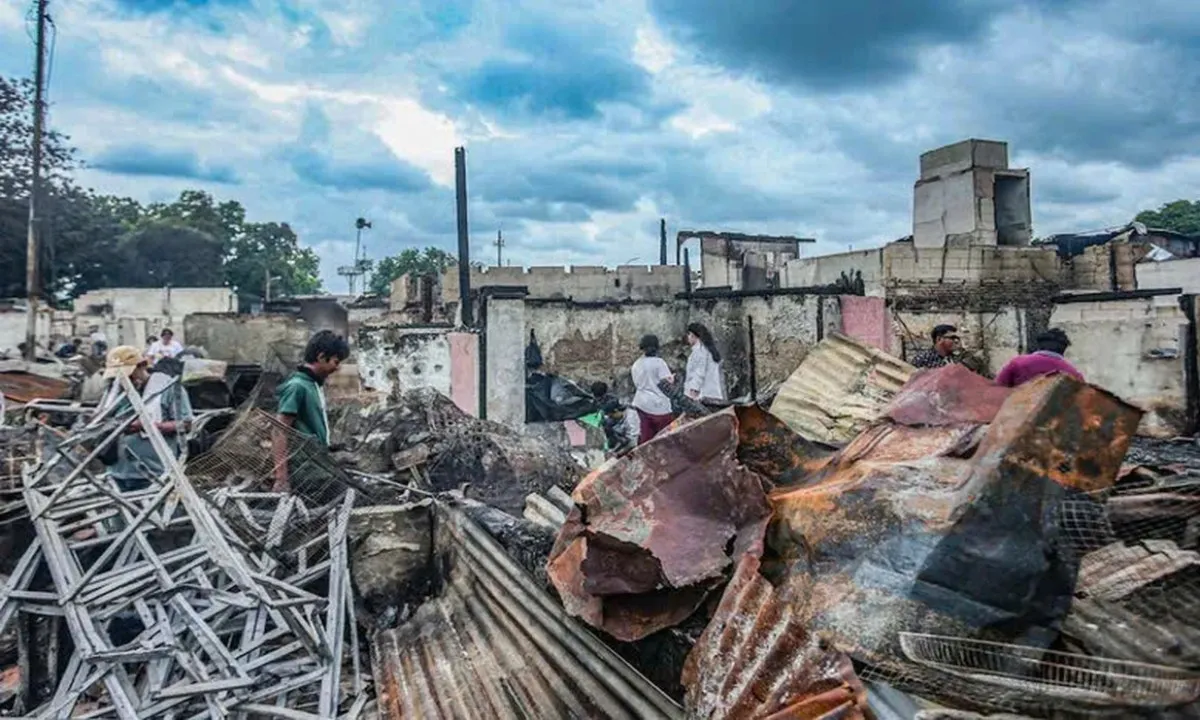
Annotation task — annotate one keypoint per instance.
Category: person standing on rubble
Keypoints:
(1046, 360)
(302, 398)
(943, 352)
(652, 404)
(135, 464)
(702, 380)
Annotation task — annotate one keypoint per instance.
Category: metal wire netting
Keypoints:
(1130, 641)
(239, 476)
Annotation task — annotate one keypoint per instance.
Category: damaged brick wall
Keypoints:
(996, 320)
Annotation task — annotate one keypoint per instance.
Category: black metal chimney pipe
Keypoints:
(662, 241)
(464, 237)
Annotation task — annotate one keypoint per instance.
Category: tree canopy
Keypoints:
(431, 260)
(91, 240)
(1182, 216)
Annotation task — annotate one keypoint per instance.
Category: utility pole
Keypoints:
(35, 182)
(499, 247)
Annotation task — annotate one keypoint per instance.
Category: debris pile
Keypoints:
(979, 547)
(424, 437)
(881, 542)
(169, 610)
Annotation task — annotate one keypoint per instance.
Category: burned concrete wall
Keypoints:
(1135, 347)
(398, 359)
(591, 342)
(248, 338)
(640, 283)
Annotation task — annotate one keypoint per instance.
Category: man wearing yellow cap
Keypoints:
(137, 463)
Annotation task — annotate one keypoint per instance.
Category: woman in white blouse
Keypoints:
(703, 377)
(652, 404)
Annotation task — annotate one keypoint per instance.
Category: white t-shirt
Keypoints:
(647, 373)
(159, 350)
(703, 378)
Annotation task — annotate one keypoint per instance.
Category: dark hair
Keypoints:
(1053, 340)
(706, 339)
(599, 389)
(610, 406)
(166, 331)
(941, 330)
(649, 345)
(152, 338)
(327, 343)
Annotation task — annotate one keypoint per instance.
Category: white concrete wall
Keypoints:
(12, 329)
(506, 339)
(1184, 273)
(827, 269)
(399, 359)
(1135, 349)
(146, 311)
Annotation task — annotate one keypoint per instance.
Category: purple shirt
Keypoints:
(1024, 368)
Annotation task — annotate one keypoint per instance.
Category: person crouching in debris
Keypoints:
(652, 404)
(135, 464)
(619, 434)
(1046, 360)
(702, 380)
(301, 398)
(943, 352)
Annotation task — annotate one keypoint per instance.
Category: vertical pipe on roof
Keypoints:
(464, 240)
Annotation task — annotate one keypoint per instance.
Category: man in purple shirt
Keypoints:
(1047, 360)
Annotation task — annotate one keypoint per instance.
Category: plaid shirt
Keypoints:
(931, 359)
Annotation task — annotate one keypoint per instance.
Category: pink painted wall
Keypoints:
(866, 319)
(464, 371)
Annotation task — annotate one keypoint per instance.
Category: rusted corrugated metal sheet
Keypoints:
(756, 659)
(1138, 601)
(938, 530)
(23, 387)
(770, 448)
(493, 645)
(948, 395)
(652, 533)
(840, 388)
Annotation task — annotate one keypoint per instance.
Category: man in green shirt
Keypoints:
(301, 399)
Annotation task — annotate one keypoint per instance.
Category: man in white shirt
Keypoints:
(165, 347)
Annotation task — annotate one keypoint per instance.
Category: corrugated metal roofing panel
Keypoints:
(840, 388)
(494, 645)
(22, 387)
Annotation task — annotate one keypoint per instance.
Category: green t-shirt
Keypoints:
(301, 397)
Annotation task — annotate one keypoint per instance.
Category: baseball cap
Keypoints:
(122, 360)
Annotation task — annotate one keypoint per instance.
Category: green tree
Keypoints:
(197, 209)
(271, 249)
(1182, 216)
(431, 260)
(160, 253)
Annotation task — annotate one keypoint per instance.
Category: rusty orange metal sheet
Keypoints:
(654, 532)
(770, 448)
(756, 659)
(954, 530)
(1071, 432)
(947, 396)
(23, 387)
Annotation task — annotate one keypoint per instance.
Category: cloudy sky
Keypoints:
(585, 122)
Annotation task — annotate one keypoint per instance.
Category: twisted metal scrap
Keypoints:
(221, 631)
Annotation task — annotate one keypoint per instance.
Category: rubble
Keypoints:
(883, 543)
(652, 534)
(424, 430)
